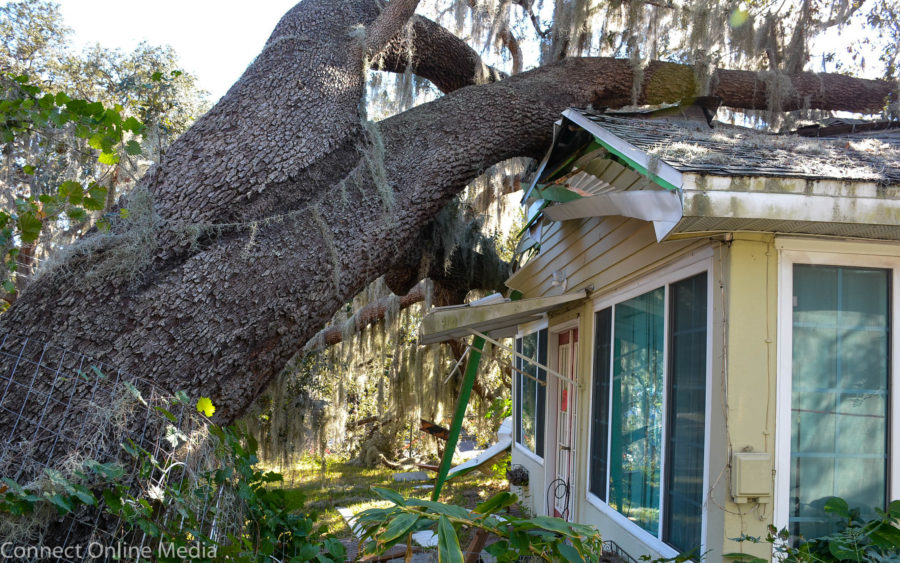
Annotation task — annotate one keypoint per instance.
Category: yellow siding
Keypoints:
(751, 307)
(598, 251)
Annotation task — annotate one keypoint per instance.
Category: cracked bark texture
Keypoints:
(279, 205)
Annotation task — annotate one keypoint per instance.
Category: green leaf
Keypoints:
(336, 549)
(399, 526)
(108, 158)
(498, 548)
(85, 495)
(497, 502)
(448, 544)
(133, 147)
(28, 169)
(555, 525)
(167, 414)
(133, 125)
(744, 558)
(96, 141)
(30, 227)
(76, 214)
(73, 191)
(569, 553)
(110, 471)
(62, 504)
(449, 510)
(558, 194)
(135, 393)
(843, 552)
(390, 495)
(13, 486)
(894, 509)
(837, 505)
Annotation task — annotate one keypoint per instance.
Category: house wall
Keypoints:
(610, 254)
(750, 306)
(742, 409)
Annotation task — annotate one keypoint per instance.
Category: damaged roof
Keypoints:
(838, 151)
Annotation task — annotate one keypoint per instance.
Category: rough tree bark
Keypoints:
(280, 204)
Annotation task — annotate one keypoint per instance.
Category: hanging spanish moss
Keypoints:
(363, 398)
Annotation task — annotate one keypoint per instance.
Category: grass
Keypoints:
(314, 489)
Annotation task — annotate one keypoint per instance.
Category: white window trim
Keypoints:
(853, 255)
(642, 535)
(528, 453)
(524, 330)
(686, 267)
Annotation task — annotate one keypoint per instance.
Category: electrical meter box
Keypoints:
(751, 477)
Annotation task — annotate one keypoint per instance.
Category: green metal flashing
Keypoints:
(456, 426)
(625, 161)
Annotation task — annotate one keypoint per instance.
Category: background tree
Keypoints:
(145, 85)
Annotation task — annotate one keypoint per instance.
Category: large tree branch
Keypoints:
(370, 314)
(431, 51)
(389, 22)
(446, 60)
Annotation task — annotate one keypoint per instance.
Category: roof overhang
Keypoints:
(658, 170)
(498, 320)
(661, 207)
(788, 205)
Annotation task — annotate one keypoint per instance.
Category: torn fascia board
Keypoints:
(658, 170)
(557, 127)
(661, 207)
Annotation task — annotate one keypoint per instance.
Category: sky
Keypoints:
(215, 40)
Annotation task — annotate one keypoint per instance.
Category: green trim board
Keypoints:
(665, 176)
(456, 426)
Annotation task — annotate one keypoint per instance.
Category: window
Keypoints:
(648, 422)
(531, 391)
(840, 369)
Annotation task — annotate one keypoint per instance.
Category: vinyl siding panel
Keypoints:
(598, 251)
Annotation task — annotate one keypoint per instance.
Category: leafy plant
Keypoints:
(185, 510)
(875, 540)
(542, 537)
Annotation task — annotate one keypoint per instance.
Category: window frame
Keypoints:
(873, 255)
(524, 330)
(689, 266)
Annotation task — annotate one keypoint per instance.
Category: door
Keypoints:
(561, 489)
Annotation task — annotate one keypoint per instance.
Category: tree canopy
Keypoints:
(62, 111)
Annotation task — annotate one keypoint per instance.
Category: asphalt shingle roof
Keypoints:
(726, 150)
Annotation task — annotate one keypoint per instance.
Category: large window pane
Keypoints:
(840, 370)
(686, 432)
(600, 403)
(530, 394)
(636, 422)
(541, 398)
(529, 391)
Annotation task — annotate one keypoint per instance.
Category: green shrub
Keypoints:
(542, 537)
(876, 540)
